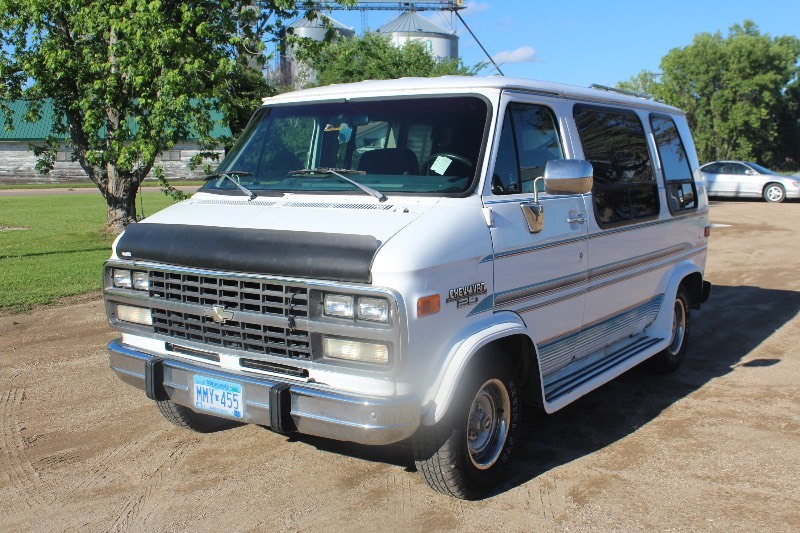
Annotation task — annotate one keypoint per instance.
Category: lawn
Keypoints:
(54, 246)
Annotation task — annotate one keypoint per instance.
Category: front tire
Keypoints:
(468, 452)
(669, 359)
(774, 193)
(185, 418)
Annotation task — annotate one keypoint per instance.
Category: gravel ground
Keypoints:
(713, 447)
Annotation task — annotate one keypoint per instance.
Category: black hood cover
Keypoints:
(257, 251)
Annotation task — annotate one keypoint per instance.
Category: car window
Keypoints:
(712, 168)
(413, 145)
(679, 183)
(736, 168)
(528, 140)
(614, 142)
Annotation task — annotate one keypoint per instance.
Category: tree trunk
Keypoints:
(120, 194)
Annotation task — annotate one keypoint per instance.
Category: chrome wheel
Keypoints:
(678, 328)
(488, 424)
(774, 193)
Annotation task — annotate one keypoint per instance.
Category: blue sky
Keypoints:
(602, 42)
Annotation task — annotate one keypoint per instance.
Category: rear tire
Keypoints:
(185, 418)
(468, 451)
(669, 359)
(774, 193)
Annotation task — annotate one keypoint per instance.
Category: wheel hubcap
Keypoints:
(678, 327)
(487, 424)
(774, 193)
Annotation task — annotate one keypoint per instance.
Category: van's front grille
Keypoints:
(254, 296)
(244, 299)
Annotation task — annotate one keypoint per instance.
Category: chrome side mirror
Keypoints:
(568, 176)
(561, 176)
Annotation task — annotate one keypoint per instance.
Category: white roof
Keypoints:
(459, 84)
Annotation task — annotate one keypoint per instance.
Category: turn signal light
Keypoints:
(428, 305)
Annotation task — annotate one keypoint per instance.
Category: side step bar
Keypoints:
(589, 368)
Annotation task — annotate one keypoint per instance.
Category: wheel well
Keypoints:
(520, 350)
(771, 183)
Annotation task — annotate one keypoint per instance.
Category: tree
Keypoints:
(374, 57)
(739, 92)
(133, 77)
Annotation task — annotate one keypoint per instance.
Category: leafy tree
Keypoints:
(133, 77)
(373, 57)
(740, 93)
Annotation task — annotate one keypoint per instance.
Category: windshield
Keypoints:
(761, 169)
(398, 146)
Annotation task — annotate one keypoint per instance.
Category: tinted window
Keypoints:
(713, 168)
(398, 145)
(735, 168)
(674, 164)
(528, 141)
(624, 184)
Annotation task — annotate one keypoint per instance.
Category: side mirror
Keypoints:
(568, 176)
(561, 176)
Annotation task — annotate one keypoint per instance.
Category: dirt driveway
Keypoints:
(714, 447)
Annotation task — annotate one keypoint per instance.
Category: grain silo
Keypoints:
(411, 26)
(299, 73)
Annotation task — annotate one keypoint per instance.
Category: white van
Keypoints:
(416, 259)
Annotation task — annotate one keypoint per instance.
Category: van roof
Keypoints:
(462, 84)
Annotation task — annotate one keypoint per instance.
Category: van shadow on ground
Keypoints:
(723, 333)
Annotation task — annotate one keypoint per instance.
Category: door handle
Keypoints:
(580, 219)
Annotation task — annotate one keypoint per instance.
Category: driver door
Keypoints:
(540, 276)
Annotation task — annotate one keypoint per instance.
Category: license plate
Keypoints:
(218, 396)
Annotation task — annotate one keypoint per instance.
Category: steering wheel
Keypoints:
(449, 155)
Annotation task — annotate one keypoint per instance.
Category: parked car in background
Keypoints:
(742, 179)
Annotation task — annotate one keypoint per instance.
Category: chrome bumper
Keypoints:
(284, 406)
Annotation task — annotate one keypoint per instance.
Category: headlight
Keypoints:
(338, 305)
(130, 279)
(351, 350)
(122, 278)
(141, 281)
(374, 309)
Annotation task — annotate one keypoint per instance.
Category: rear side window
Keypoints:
(625, 188)
(681, 193)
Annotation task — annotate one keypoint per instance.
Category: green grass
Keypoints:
(60, 252)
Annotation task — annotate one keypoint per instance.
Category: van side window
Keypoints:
(529, 140)
(625, 188)
(680, 186)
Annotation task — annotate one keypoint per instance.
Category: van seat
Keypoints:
(391, 161)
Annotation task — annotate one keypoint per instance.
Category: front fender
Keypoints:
(441, 394)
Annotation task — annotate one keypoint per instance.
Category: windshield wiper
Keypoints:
(338, 173)
(232, 175)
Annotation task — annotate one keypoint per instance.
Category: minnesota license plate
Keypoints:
(218, 396)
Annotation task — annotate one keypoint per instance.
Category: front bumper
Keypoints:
(284, 406)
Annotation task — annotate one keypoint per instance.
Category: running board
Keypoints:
(561, 384)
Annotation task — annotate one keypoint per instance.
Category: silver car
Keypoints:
(742, 179)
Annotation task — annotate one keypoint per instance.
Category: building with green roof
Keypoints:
(18, 163)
